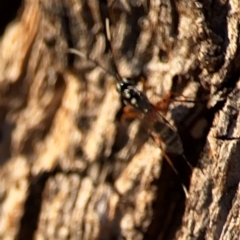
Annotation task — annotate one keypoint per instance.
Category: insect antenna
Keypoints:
(108, 35)
(82, 55)
(113, 73)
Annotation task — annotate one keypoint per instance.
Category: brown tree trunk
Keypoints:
(72, 166)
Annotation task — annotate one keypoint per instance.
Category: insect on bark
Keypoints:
(156, 124)
(161, 131)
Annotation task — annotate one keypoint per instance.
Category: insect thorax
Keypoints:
(133, 97)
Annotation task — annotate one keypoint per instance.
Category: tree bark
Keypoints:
(73, 166)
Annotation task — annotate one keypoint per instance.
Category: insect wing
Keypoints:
(163, 133)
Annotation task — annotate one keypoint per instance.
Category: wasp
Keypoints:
(157, 125)
(161, 131)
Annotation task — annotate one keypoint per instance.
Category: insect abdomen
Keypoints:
(170, 139)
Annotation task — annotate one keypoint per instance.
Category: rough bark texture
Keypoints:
(72, 167)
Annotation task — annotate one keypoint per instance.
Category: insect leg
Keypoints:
(188, 163)
(163, 104)
(129, 113)
(174, 169)
(166, 157)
